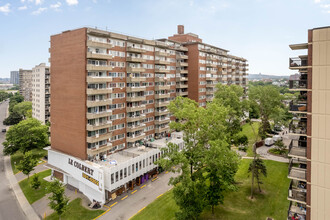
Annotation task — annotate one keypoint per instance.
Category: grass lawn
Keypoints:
(18, 156)
(272, 202)
(76, 211)
(247, 130)
(31, 194)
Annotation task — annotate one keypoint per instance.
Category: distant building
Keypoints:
(25, 84)
(14, 77)
(41, 93)
(5, 86)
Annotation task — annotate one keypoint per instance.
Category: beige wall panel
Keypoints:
(328, 52)
(322, 78)
(316, 35)
(328, 77)
(322, 101)
(327, 129)
(314, 202)
(327, 178)
(327, 104)
(314, 149)
(314, 172)
(323, 53)
(315, 77)
(321, 126)
(328, 33)
(321, 149)
(321, 176)
(316, 54)
(315, 103)
(315, 128)
(323, 34)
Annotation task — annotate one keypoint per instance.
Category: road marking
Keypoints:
(134, 191)
(141, 209)
(106, 206)
(166, 172)
(154, 179)
(159, 195)
(124, 198)
(143, 186)
(102, 214)
(113, 204)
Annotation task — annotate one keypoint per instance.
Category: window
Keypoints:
(125, 172)
(133, 168)
(129, 170)
(136, 166)
(144, 163)
(117, 176)
(112, 178)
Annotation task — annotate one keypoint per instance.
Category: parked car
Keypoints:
(4, 130)
(277, 138)
(269, 142)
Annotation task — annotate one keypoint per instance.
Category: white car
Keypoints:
(269, 141)
(277, 138)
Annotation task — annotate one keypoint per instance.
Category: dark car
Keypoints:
(4, 130)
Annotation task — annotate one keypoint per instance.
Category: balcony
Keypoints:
(136, 89)
(298, 106)
(162, 62)
(162, 87)
(135, 79)
(99, 114)
(102, 56)
(160, 79)
(296, 209)
(135, 59)
(161, 104)
(135, 128)
(91, 43)
(91, 67)
(211, 58)
(211, 65)
(210, 85)
(209, 99)
(162, 121)
(180, 56)
(178, 79)
(181, 86)
(99, 102)
(298, 62)
(211, 78)
(297, 172)
(161, 53)
(135, 138)
(135, 108)
(298, 149)
(161, 70)
(98, 138)
(180, 93)
(161, 112)
(297, 191)
(211, 71)
(131, 69)
(135, 50)
(298, 126)
(99, 91)
(135, 118)
(181, 64)
(97, 150)
(92, 79)
(210, 92)
(160, 96)
(300, 84)
(135, 98)
(162, 129)
(182, 71)
(97, 126)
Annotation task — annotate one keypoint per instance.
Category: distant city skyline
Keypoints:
(253, 29)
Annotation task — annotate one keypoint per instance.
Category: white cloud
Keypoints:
(56, 6)
(22, 1)
(317, 1)
(22, 8)
(38, 2)
(5, 9)
(325, 6)
(39, 11)
(72, 2)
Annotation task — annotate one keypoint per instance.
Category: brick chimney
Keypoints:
(180, 29)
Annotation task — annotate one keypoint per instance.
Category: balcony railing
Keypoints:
(297, 62)
(298, 126)
(298, 106)
(298, 148)
(297, 191)
(297, 172)
(298, 84)
(296, 209)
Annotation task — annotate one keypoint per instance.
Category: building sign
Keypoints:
(91, 179)
(81, 166)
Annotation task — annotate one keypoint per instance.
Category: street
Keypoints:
(9, 207)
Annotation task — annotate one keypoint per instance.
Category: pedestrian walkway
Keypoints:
(25, 205)
(39, 168)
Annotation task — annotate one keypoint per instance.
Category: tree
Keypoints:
(280, 147)
(35, 183)
(267, 99)
(27, 164)
(258, 168)
(231, 98)
(13, 119)
(23, 108)
(206, 137)
(221, 165)
(26, 135)
(58, 200)
(240, 139)
(15, 99)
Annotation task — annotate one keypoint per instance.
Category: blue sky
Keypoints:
(258, 30)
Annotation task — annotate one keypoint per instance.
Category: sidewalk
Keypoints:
(25, 205)
(39, 168)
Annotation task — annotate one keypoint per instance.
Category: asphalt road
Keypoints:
(9, 207)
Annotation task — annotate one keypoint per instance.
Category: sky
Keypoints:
(258, 30)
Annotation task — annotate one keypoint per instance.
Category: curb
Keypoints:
(25, 205)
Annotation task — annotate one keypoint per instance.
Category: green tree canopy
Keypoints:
(27, 135)
(58, 200)
(13, 119)
(27, 164)
(23, 108)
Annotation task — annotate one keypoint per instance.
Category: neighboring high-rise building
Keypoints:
(14, 77)
(309, 169)
(25, 84)
(208, 65)
(41, 93)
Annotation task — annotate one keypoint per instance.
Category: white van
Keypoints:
(277, 138)
(269, 141)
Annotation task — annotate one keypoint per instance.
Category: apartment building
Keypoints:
(309, 169)
(41, 93)
(25, 84)
(208, 65)
(14, 77)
